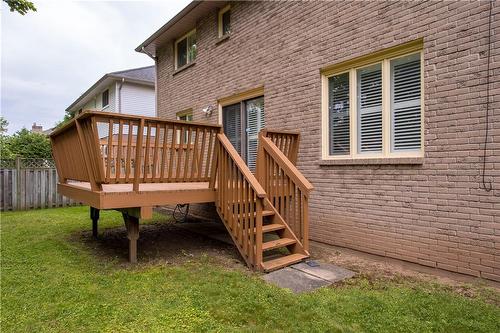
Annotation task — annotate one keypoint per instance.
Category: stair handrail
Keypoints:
(286, 187)
(286, 164)
(242, 166)
(240, 211)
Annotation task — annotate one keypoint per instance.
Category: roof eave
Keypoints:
(167, 25)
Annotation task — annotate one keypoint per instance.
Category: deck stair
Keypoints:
(252, 215)
(104, 162)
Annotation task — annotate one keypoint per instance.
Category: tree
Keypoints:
(67, 117)
(3, 125)
(20, 6)
(28, 145)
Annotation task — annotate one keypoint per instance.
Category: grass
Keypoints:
(52, 283)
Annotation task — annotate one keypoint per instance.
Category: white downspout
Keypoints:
(119, 93)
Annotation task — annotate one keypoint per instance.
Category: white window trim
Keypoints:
(189, 61)
(220, 33)
(383, 57)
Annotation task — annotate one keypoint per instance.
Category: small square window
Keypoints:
(105, 98)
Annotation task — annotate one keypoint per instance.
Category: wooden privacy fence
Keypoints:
(30, 184)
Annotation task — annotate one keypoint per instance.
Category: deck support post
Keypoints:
(94, 215)
(132, 225)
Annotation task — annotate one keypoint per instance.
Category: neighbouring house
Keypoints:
(130, 91)
(39, 129)
(391, 100)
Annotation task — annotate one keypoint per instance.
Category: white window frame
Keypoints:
(220, 32)
(188, 59)
(351, 67)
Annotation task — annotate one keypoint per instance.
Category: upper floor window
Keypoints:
(185, 49)
(224, 21)
(374, 109)
(105, 98)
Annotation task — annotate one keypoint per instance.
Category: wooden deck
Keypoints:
(131, 164)
(114, 196)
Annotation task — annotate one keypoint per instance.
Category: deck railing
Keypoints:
(286, 141)
(240, 201)
(106, 148)
(286, 187)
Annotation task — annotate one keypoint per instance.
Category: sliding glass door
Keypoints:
(242, 122)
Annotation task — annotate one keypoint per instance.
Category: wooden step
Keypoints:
(264, 213)
(271, 227)
(284, 261)
(274, 244)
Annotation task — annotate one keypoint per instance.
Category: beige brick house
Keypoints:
(391, 102)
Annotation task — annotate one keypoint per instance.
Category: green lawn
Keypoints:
(52, 283)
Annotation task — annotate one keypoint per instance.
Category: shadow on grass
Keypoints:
(159, 243)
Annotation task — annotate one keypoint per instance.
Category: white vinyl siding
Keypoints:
(138, 100)
(374, 109)
(95, 103)
(405, 103)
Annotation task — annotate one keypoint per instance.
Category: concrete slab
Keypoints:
(324, 271)
(303, 277)
(295, 280)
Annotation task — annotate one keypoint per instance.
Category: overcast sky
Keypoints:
(52, 56)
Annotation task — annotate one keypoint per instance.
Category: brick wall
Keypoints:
(433, 213)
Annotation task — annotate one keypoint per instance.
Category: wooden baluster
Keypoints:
(258, 236)
(99, 159)
(164, 153)
(110, 151)
(155, 153)
(305, 223)
(138, 153)
(244, 214)
(118, 167)
(187, 154)
(231, 193)
(128, 168)
(179, 154)
(240, 208)
(199, 177)
(172, 152)
(251, 201)
(212, 137)
(146, 153)
(194, 163)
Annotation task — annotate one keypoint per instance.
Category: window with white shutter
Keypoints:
(370, 109)
(372, 106)
(338, 114)
(405, 103)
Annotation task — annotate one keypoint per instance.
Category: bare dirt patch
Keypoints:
(376, 269)
(161, 243)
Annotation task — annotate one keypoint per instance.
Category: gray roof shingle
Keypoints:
(142, 74)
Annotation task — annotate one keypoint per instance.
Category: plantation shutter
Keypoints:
(338, 112)
(405, 103)
(370, 109)
(255, 122)
(231, 116)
